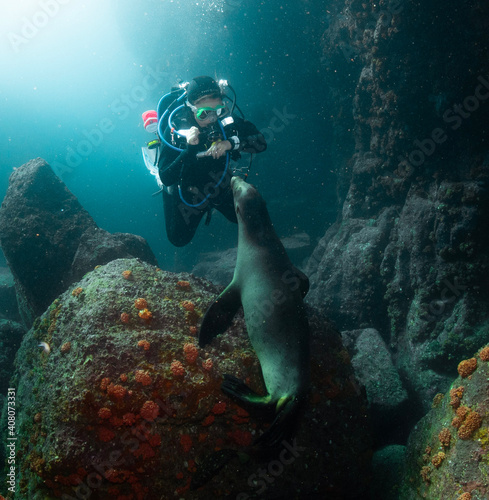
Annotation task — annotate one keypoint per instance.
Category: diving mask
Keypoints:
(207, 112)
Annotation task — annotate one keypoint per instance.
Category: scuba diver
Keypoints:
(198, 135)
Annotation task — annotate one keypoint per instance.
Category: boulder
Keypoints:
(41, 227)
(8, 302)
(218, 267)
(124, 404)
(447, 454)
(408, 253)
(98, 247)
(375, 370)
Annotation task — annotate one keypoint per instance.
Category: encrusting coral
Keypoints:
(145, 390)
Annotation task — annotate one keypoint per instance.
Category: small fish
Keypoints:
(45, 347)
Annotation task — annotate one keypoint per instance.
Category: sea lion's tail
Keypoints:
(247, 398)
(284, 423)
(284, 427)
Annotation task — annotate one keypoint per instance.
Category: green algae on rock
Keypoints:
(126, 406)
(448, 451)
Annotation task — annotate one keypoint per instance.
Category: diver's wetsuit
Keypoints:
(198, 177)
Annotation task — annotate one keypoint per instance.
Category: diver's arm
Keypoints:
(251, 140)
(170, 172)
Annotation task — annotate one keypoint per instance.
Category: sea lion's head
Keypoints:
(250, 207)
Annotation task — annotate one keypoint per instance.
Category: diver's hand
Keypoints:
(193, 136)
(219, 149)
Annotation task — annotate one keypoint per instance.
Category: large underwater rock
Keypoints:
(408, 255)
(375, 370)
(126, 404)
(9, 308)
(218, 267)
(43, 228)
(448, 451)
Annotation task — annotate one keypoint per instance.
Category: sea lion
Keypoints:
(271, 291)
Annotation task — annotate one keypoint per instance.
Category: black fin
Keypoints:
(247, 398)
(220, 314)
(284, 426)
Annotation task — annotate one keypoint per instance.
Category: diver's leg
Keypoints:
(181, 221)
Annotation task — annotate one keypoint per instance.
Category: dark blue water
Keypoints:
(76, 77)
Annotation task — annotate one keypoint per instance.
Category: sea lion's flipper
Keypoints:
(237, 390)
(303, 281)
(220, 314)
(285, 424)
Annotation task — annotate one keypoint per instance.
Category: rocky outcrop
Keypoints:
(218, 267)
(11, 334)
(408, 254)
(374, 369)
(49, 240)
(448, 451)
(125, 404)
(8, 302)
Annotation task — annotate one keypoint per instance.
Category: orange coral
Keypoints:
(445, 436)
(208, 420)
(144, 344)
(193, 330)
(241, 438)
(104, 383)
(144, 451)
(184, 285)
(484, 354)
(425, 473)
(125, 318)
(105, 434)
(177, 368)
(117, 391)
(143, 377)
(186, 442)
(149, 411)
(77, 291)
(123, 377)
(207, 364)
(105, 413)
(456, 397)
(129, 418)
(154, 440)
(219, 408)
(188, 305)
(191, 352)
(456, 422)
(465, 496)
(470, 425)
(66, 347)
(438, 459)
(467, 367)
(127, 275)
(140, 304)
(462, 412)
(145, 314)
